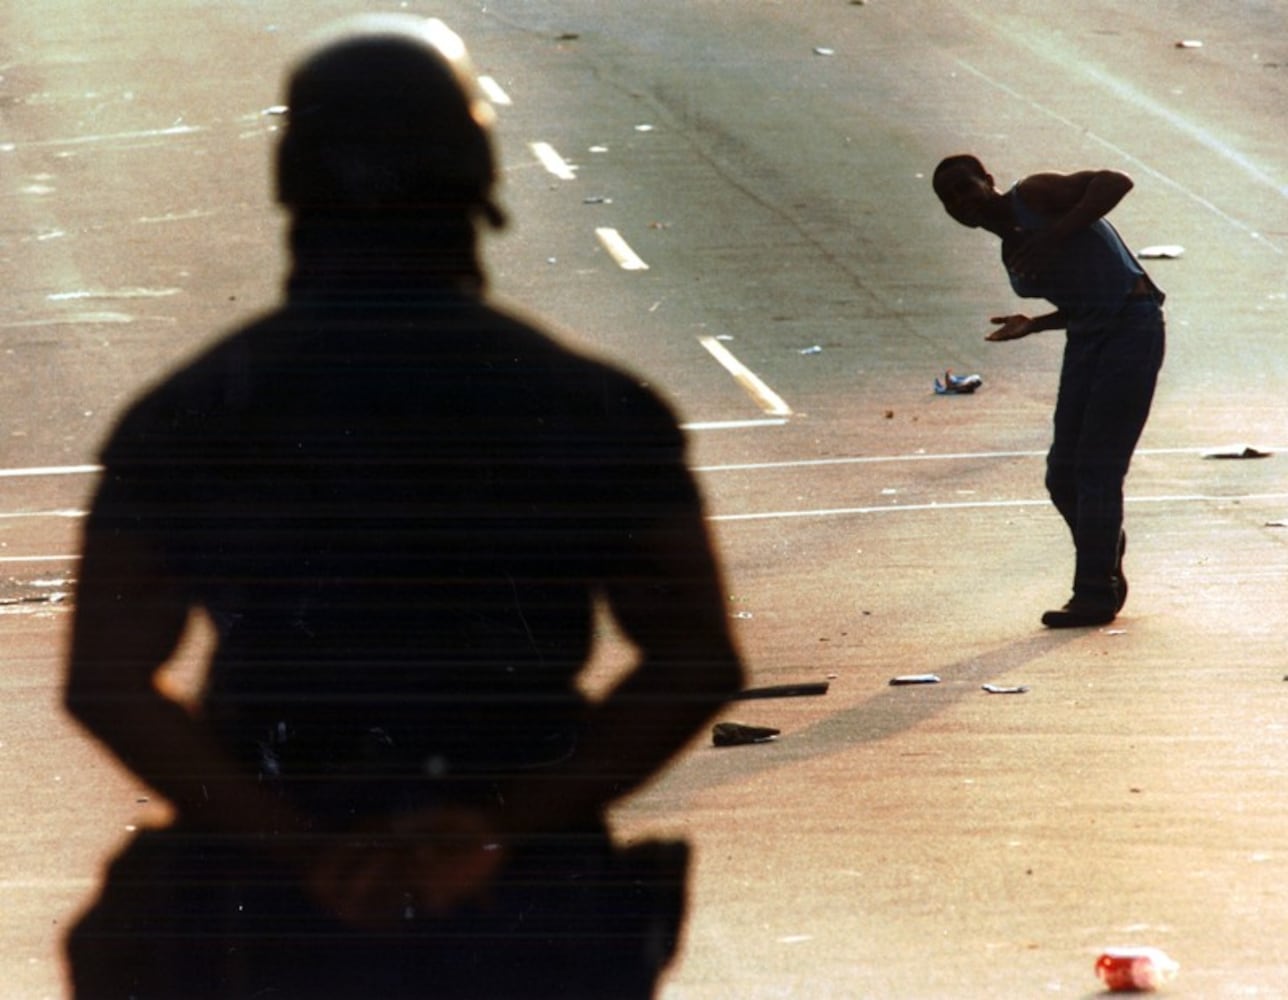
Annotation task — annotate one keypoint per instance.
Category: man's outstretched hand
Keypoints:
(1011, 327)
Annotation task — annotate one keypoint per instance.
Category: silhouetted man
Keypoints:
(1057, 245)
(399, 507)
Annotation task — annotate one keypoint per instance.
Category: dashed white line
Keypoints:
(15, 515)
(765, 397)
(725, 425)
(51, 470)
(552, 161)
(626, 258)
(494, 91)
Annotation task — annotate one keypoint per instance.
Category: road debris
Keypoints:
(1004, 689)
(783, 691)
(905, 679)
(1163, 251)
(957, 385)
(1134, 970)
(1239, 453)
(734, 734)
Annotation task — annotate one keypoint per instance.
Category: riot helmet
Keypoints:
(385, 114)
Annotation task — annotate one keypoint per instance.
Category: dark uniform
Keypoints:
(399, 507)
(395, 518)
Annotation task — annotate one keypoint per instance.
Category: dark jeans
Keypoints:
(1106, 388)
(189, 917)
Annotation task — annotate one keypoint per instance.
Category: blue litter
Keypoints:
(957, 385)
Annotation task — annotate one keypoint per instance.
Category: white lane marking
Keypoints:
(921, 508)
(51, 470)
(765, 397)
(115, 137)
(196, 213)
(552, 161)
(817, 514)
(805, 463)
(15, 515)
(620, 250)
(725, 425)
(1213, 144)
(952, 456)
(113, 293)
(71, 319)
(494, 91)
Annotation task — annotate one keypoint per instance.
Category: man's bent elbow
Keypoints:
(1119, 182)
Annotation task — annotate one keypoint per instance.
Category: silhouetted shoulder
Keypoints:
(450, 368)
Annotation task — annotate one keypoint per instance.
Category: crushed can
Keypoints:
(1135, 970)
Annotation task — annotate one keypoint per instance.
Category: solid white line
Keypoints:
(71, 319)
(115, 136)
(765, 397)
(952, 456)
(494, 91)
(620, 250)
(1198, 134)
(937, 457)
(916, 508)
(825, 512)
(552, 161)
(117, 293)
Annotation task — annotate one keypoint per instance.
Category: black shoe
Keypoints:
(1081, 613)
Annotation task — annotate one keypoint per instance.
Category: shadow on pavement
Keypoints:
(893, 711)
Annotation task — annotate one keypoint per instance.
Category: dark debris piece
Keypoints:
(783, 691)
(734, 734)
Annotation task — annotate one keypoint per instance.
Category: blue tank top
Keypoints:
(1090, 277)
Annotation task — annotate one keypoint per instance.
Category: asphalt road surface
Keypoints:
(733, 199)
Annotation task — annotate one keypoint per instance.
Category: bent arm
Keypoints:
(129, 619)
(671, 605)
(1074, 201)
